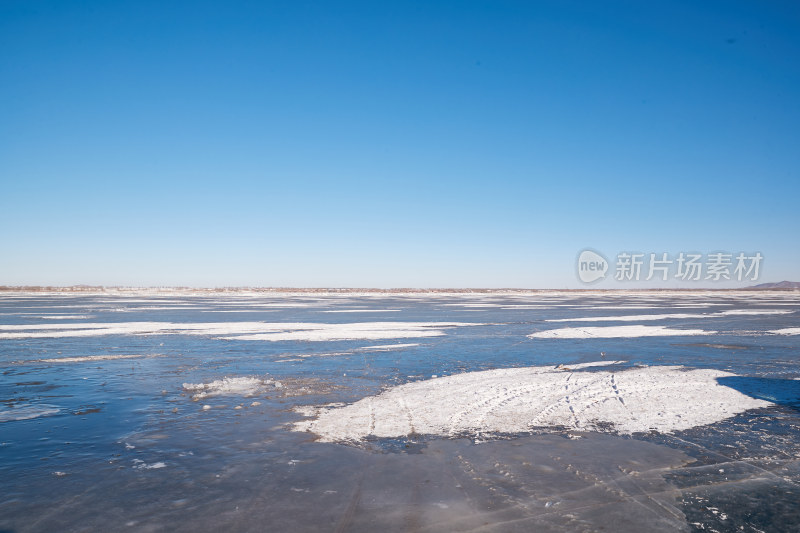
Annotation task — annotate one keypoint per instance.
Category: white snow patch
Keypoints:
(85, 358)
(647, 318)
(626, 318)
(241, 386)
(590, 364)
(152, 466)
(513, 307)
(362, 311)
(354, 331)
(612, 332)
(749, 312)
(269, 331)
(786, 331)
(386, 347)
(286, 304)
(63, 317)
(663, 306)
(519, 400)
(172, 307)
(473, 305)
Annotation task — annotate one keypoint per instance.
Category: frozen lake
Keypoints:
(549, 411)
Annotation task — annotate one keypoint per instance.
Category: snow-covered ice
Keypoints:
(517, 400)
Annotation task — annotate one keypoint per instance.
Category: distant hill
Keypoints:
(778, 285)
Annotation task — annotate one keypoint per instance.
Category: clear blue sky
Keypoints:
(478, 144)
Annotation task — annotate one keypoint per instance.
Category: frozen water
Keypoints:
(100, 430)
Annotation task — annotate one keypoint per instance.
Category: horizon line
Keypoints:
(242, 288)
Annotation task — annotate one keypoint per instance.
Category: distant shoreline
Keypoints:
(350, 290)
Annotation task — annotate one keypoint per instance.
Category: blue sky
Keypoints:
(371, 144)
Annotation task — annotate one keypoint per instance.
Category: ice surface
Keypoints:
(88, 424)
(383, 347)
(26, 411)
(239, 386)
